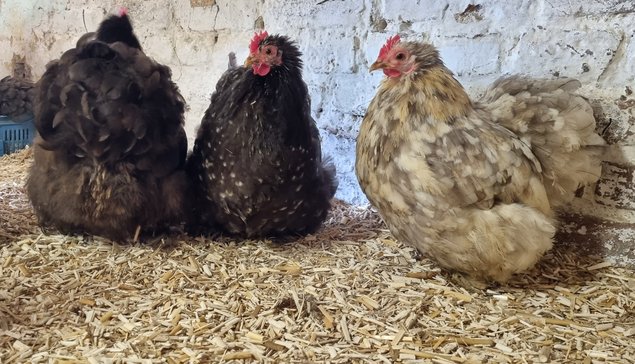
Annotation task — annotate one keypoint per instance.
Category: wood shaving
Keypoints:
(348, 294)
(16, 214)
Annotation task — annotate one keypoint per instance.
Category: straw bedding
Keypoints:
(348, 294)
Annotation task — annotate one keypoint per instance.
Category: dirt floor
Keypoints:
(348, 294)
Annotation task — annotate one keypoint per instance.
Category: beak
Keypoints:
(249, 61)
(377, 65)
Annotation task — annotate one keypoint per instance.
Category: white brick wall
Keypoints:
(591, 40)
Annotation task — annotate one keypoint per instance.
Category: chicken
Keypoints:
(256, 167)
(16, 97)
(232, 61)
(110, 153)
(559, 126)
(472, 184)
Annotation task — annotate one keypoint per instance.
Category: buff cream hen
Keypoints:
(473, 184)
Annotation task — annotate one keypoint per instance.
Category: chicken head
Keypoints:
(398, 58)
(263, 54)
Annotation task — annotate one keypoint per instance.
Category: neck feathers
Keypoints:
(433, 92)
(445, 98)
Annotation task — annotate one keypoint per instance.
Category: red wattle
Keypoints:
(392, 73)
(261, 69)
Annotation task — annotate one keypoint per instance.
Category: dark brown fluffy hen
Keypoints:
(257, 167)
(111, 147)
(16, 97)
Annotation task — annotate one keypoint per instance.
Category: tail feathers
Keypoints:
(496, 243)
(117, 28)
(329, 176)
(557, 124)
(232, 61)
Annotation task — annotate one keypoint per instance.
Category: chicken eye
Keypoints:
(400, 56)
(268, 51)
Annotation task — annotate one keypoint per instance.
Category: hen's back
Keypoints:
(109, 104)
(557, 123)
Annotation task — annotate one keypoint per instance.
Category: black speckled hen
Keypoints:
(110, 153)
(256, 166)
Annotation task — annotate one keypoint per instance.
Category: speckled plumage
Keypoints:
(256, 166)
(449, 178)
(110, 152)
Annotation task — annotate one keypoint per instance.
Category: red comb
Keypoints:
(123, 11)
(388, 46)
(255, 41)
